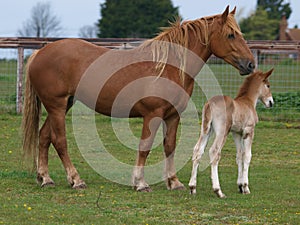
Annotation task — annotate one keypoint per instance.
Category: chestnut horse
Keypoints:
(54, 73)
(222, 114)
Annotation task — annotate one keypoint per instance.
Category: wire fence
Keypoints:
(284, 57)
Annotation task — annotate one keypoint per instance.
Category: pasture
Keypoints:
(274, 184)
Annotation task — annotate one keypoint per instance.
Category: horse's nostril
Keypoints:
(251, 66)
(270, 103)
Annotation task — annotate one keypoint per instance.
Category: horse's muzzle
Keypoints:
(246, 67)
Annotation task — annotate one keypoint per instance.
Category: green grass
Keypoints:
(274, 183)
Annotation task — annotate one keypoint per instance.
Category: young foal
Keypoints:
(222, 114)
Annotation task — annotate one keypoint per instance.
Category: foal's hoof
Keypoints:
(244, 189)
(192, 190)
(143, 189)
(79, 186)
(219, 193)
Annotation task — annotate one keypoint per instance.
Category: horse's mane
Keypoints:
(176, 37)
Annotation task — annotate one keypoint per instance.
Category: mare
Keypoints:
(222, 114)
(54, 74)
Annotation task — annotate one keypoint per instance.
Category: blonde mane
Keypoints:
(176, 37)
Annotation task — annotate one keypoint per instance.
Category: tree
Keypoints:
(88, 31)
(135, 18)
(275, 8)
(263, 24)
(42, 22)
(258, 26)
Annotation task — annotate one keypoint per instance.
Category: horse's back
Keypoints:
(58, 66)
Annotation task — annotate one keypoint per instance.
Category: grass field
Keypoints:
(274, 183)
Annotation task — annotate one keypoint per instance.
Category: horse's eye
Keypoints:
(231, 36)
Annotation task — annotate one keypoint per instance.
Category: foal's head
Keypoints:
(265, 95)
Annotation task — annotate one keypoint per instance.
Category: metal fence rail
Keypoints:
(284, 56)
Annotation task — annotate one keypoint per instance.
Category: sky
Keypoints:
(75, 14)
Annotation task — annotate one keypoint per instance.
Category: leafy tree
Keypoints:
(135, 18)
(42, 22)
(263, 24)
(275, 8)
(259, 26)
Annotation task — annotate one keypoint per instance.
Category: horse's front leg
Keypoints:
(150, 127)
(170, 131)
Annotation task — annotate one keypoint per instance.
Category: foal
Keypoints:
(222, 114)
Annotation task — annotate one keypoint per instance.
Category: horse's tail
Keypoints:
(206, 119)
(31, 117)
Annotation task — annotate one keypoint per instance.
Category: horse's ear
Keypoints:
(267, 74)
(225, 15)
(233, 11)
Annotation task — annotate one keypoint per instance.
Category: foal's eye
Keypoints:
(231, 36)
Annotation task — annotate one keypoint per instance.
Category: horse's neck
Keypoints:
(197, 55)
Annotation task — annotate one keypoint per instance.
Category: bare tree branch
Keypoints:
(42, 22)
(88, 31)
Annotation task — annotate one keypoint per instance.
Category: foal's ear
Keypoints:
(225, 14)
(233, 11)
(267, 74)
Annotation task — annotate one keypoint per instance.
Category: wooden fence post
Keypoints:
(19, 97)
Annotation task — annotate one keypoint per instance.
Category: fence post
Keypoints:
(19, 97)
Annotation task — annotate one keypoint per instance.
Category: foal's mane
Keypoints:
(177, 37)
(248, 83)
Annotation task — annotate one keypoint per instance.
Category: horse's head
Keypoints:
(265, 92)
(227, 42)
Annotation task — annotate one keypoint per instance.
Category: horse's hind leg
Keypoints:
(44, 143)
(197, 154)
(170, 130)
(58, 139)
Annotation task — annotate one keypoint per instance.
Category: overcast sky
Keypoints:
(74, 14)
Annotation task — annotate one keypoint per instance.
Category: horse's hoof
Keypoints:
(79, 186)
(143, 189)
(48, 184)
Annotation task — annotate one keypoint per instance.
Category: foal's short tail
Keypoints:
(31, 117)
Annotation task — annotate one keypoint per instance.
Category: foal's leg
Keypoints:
(58, 139)
(246, 161)
(170, 131)
(198, 152)
(44, 143)
(243, 157)
(215, 156)
(238, 140)
(150, 126)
